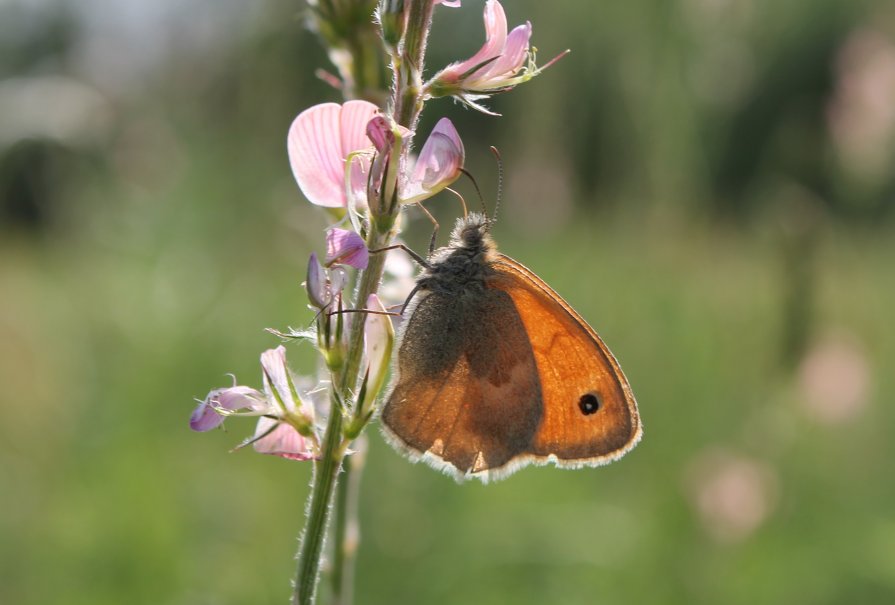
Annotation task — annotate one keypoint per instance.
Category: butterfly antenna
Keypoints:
(477, 190)
(499, 183)
(462, 201)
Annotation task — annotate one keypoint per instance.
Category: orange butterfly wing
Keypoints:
(466, 396)
(589, 413)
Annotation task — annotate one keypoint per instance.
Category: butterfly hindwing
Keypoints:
(589, 412)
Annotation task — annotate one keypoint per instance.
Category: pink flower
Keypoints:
(320, 142)
(345, 247)
(323, 138)
(439, 164)
(208, 415)
(284, 430)
(451, 3)
(503, 62)
(499, 59)
(286, 424)
(280, 439)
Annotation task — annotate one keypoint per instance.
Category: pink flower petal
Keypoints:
(315, 154)
(379, 132)
(353, 125)
(439, 163)
(451, 3)
(353, 122)
(346, 248)
(495, 39)
(514, 53)
(319, 141)
(273, 362)
(283, 441)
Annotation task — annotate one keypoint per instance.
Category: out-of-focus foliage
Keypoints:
(709, 182)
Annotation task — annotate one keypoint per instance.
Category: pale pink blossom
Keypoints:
(451, 3)
(320, 141)
(286, 421)
(280, 439)
(277, 432)
(439, 164)
(504, 61)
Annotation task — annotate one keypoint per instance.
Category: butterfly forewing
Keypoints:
(589, 413)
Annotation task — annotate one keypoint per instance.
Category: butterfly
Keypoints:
(495, 370)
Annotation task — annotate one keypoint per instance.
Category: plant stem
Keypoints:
(346, 525)
(408, 101)
(326, 471)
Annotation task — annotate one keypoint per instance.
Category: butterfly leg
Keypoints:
(434, 225)
(416, 257)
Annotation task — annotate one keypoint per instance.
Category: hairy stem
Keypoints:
(326, 471)
(347, 530)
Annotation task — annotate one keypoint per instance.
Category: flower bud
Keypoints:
(315, 284)
(393, 21)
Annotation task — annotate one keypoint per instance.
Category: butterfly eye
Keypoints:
(589, 404)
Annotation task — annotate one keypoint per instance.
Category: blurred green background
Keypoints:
(711, 183)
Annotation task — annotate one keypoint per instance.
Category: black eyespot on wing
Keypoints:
(589, 404)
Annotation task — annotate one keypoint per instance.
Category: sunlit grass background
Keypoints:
(710, 183)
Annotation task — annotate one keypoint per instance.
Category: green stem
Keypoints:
(408, 101)
(326, 471)
(346, 526)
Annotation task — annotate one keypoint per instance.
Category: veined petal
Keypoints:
(439, 163)
(513, 56)
(495, 38)
(346, 248)
(353, 123)
(319, 141)
(315, 154)
(280, 439)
